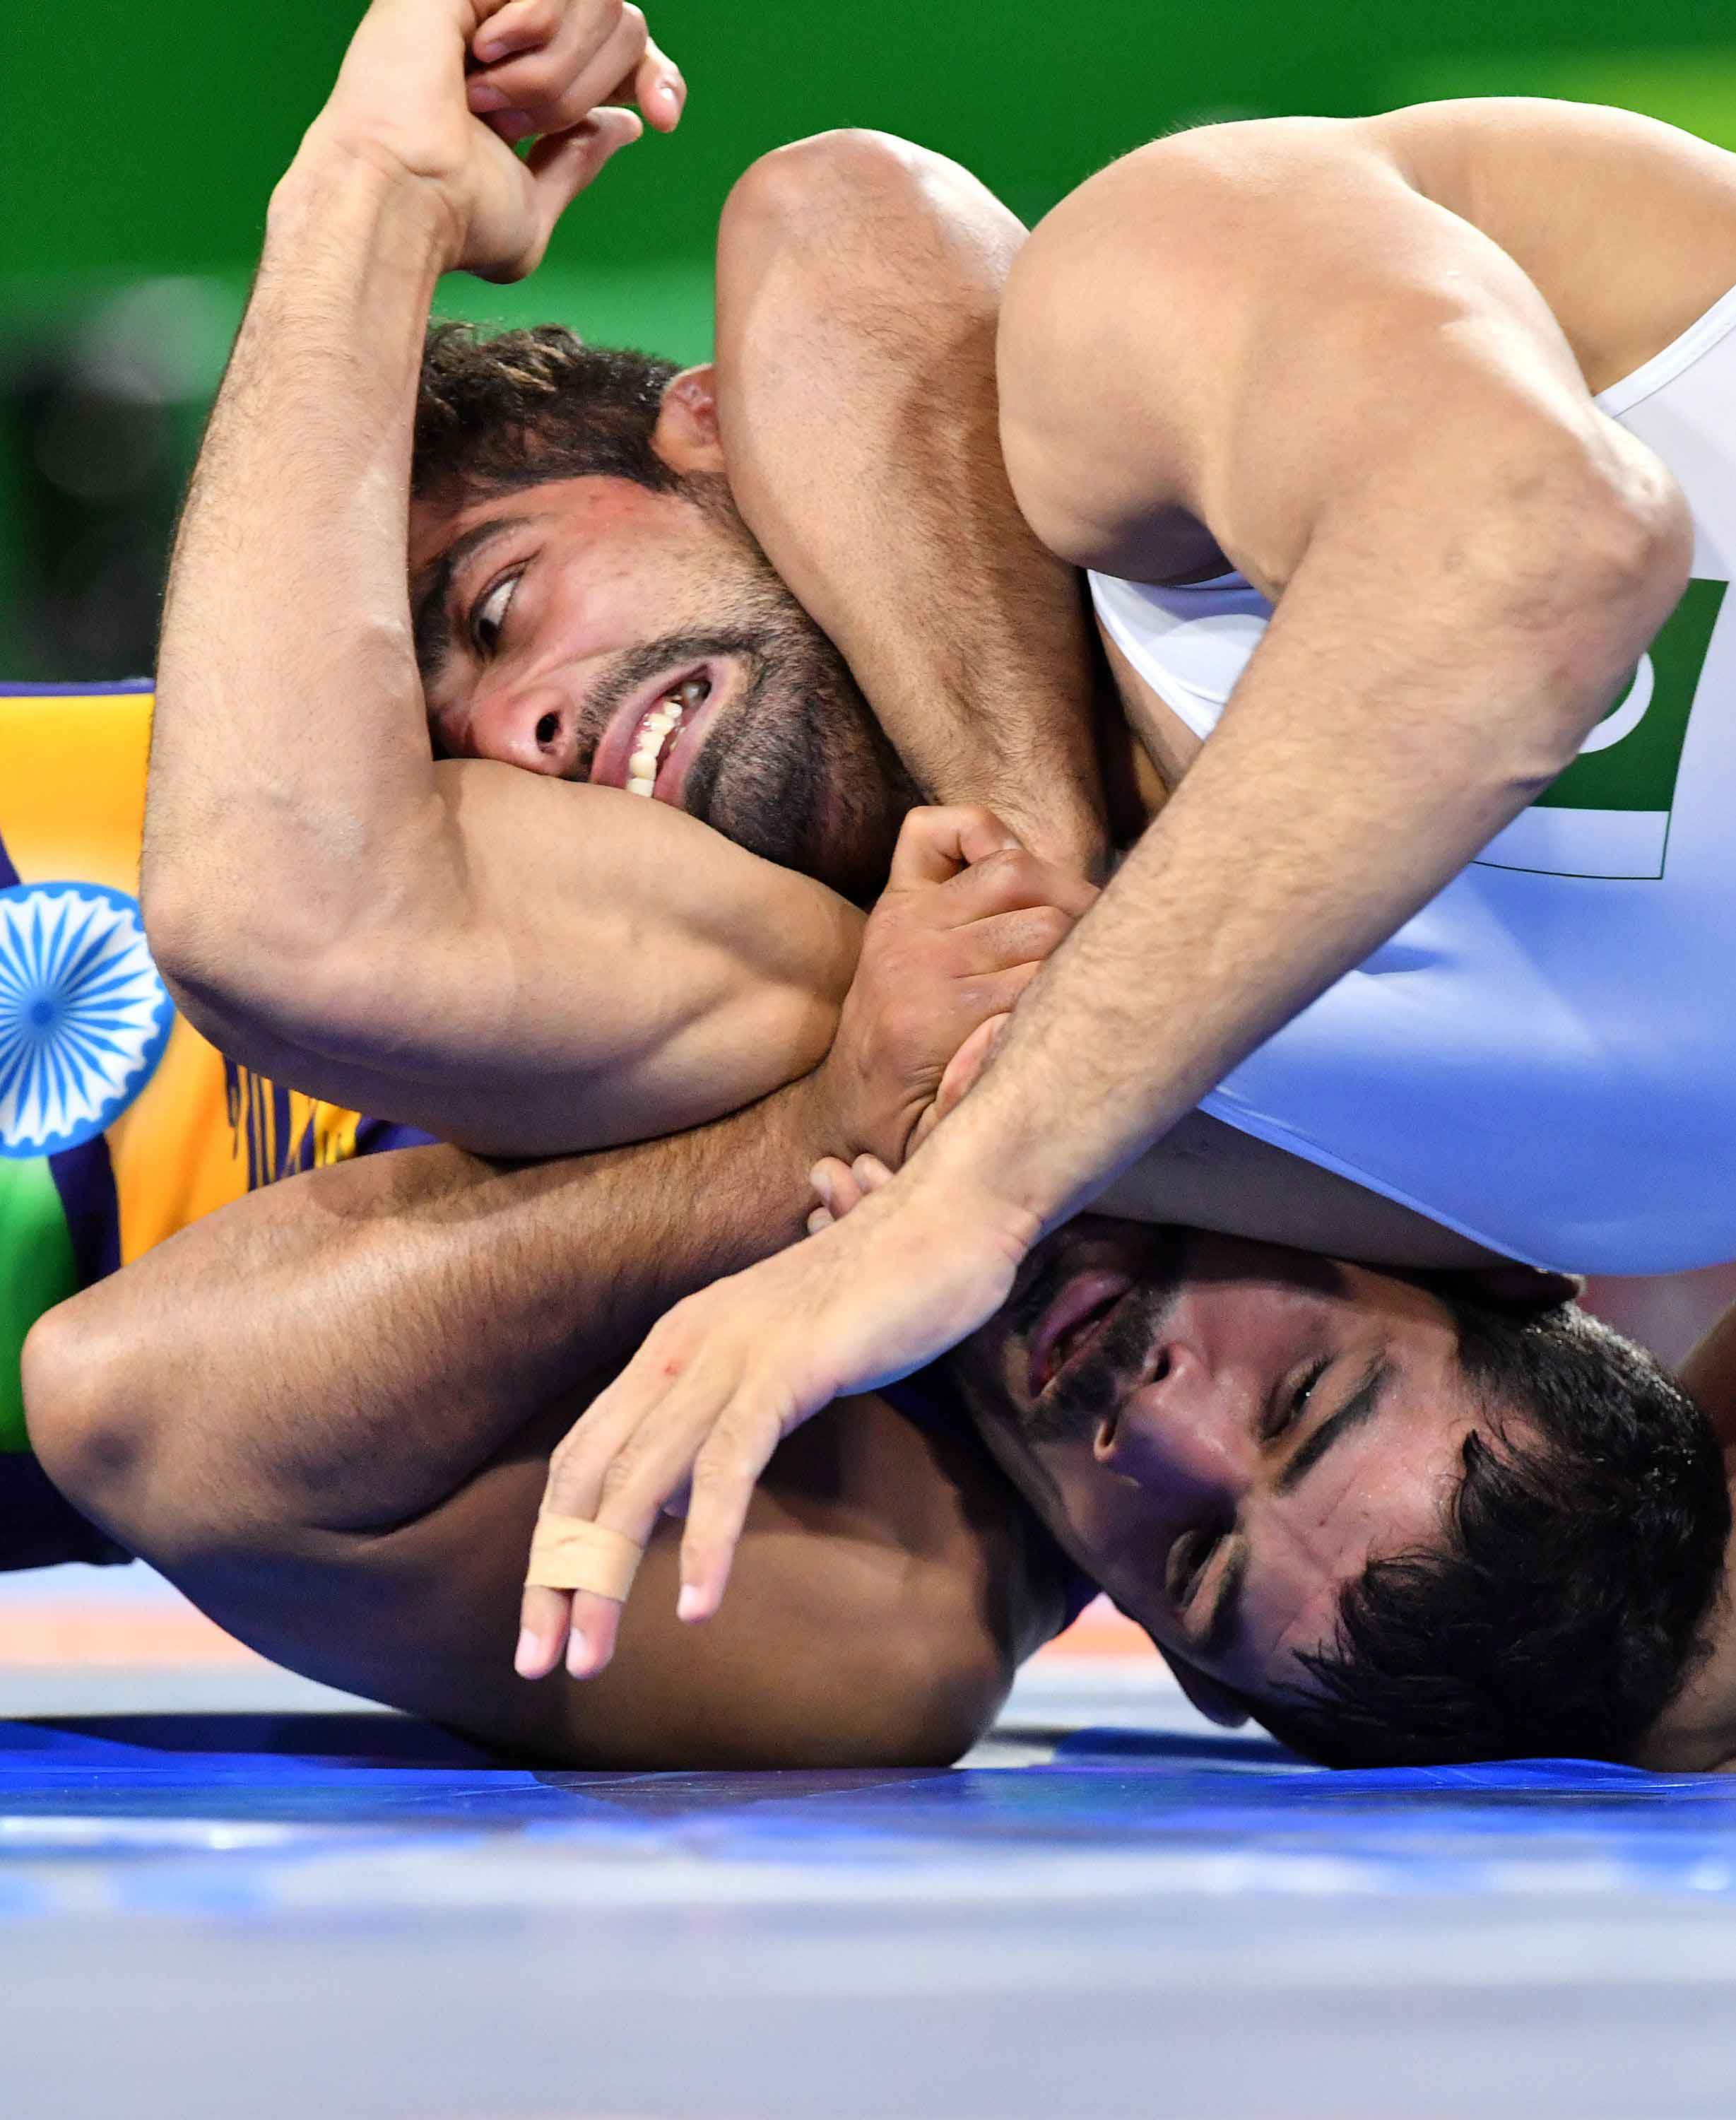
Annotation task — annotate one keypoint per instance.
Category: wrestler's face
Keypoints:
(1221, 1433)
(593, 629)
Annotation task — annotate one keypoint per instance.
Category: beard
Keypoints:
(801, 773)
(1094, 1386)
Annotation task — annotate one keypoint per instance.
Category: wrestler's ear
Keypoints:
(686, 434)
(1217, 1704)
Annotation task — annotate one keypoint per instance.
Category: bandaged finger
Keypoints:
(572, 1553)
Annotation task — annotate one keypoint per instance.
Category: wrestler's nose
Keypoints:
(534, 726)
(1185, 1432)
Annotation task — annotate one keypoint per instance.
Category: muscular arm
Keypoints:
(859, 280)
(1259, 343)
(324, 1412)
(525, 966)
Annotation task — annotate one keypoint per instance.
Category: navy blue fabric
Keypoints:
(14, 688)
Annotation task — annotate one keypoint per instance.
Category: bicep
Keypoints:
(1236, 327)
(585, 968)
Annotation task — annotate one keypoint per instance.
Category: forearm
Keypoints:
(1354, 772)
(292, 784)
(858, 286)
(342, 1349)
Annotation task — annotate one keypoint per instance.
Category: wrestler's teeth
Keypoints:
(657, 731)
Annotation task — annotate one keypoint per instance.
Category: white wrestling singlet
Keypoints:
(1544, 1057)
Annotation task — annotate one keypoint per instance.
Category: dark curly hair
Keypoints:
(496, 411)
(1585, 1550)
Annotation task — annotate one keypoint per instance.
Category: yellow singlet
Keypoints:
(118, 1123)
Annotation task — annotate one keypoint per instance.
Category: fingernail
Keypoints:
(527, 1656)
(578, 1655)
(689, 1605)
(485, 97)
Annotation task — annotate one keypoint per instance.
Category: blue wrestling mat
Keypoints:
(350, 1915)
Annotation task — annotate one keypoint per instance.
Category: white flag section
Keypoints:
(1602, 842)
(84, 1017)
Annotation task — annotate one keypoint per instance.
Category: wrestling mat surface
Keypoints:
(223, 1891)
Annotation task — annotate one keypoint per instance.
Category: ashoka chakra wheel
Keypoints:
(84, 1014)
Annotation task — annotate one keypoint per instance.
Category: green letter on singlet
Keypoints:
(36, 1272)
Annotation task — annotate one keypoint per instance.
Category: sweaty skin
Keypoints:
(1223, 1434)
(520, 965)
(1312, 326)
(327, 1414)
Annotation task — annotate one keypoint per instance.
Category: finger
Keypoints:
(544, 1616)
(1009, 881)
(818, 1219)
(996, 995)
(835, 1181)
(511, 126)
(870, 1173)
(519, 26)
(595, 1623)
(661, 1457)
(562, 167)
(725, 1475)
(659, 89)
(935, 844)
(558, 85)
(1029, 935)
(962, 1072)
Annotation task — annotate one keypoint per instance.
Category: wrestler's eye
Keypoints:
(1291, 1408)
(488, 615)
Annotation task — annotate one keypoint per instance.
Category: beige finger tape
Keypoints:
(569, 1553)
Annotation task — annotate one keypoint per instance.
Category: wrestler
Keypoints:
(1537, 1057)
(340, 978)
(325, 1412)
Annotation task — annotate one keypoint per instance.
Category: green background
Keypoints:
(138, 145)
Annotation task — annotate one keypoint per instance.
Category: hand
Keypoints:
(967, 920)
(843, 1186)
(435, 92)
(729, 1372)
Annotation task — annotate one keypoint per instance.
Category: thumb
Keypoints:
(962, 1072)
(563, 164)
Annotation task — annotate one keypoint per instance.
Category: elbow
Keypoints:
(850, 172)
(87, 1409)
(1608, 557)
(111, 1411)
(213, 949)
(266, 984)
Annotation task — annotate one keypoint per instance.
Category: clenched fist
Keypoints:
(967, 921)
(437, 93)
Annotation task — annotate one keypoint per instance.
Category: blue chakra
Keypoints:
(84, 1014)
